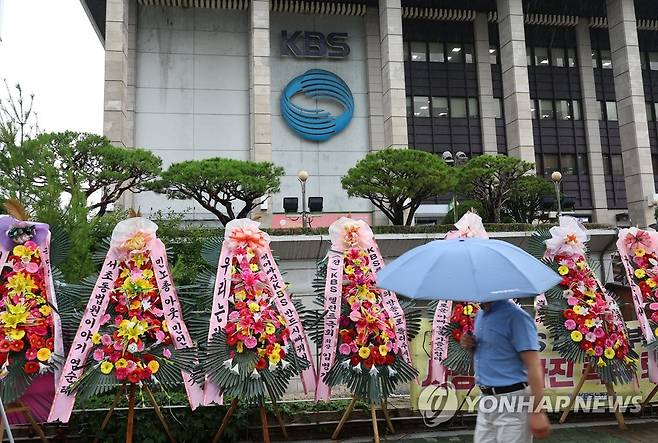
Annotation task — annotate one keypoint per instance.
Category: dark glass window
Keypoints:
(653, 61)
(457, 107)
(606, 59)
(418, 52)
(583, 164)
(562, 110)
(421, 106)
(571, 56)
(568, 162)
(617, 165)
(473, 108)
(595, 60)
(436, 52)
(493, 55)
(440, 107)
(575, 110)
(498, 107)
(649, 108)
(557, 57)
(410, 106)
(541, 56)
(546, 109)
(551, 164)
(611, 111)
(455, 53)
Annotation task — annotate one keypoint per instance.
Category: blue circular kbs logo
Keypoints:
(317, 124)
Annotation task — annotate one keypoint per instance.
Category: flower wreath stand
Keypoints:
(451, 320)
(364, 331)
(31, 346)
(132, 334)
(253, 341)
(584, 321)
(638, 250)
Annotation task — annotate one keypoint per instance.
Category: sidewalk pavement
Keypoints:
(639, 431)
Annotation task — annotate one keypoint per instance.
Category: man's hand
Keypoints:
(467, 342)
(539, 424)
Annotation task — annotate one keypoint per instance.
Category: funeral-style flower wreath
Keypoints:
(366, 352)
(249, 349)
(140, 337)
(30, 333)
(583, 319)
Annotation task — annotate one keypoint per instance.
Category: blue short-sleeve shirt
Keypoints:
(501, 333)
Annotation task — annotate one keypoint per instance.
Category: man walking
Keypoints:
(506, 355)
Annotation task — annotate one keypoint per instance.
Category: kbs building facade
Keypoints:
(569, 86)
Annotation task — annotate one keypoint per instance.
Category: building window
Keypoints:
(418, 52)
(562, 111)
(498, 107)
(459, 53)
(551, 164)
(421, 106)
(611, 111)
(473, 109)
(541, 56)
(546, 109)
(528, 55)
(571, 56)
(557, 57)
(468, 53)
(457, 107)
(595, 60)
(655, 114)
(440, 107)
(649, 108)
(410, 106)
(617, 165)
(493, 55)
(575, 110)
(606, 59)
(568, 164)
(533, 109)
(653, 61)
(436, 52)
(583, 164)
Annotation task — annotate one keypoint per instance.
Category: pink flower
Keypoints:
(583, 329)
(106, 340)
(570, 324)
(105, 318)
(118, 346)
(572, 301)
(31, 354)
(590, 337)
(159, 336)
(653, 306)
(345, 349)
(599, 332)
(99, 354)
(250, 342)
(598, 351)
(30, 245)
(117, 320)
(166, 353)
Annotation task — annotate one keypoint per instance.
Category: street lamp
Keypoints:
(556, 176)
(302, 176)
(459, 159)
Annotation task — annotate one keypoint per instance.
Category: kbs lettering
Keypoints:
(311, 44)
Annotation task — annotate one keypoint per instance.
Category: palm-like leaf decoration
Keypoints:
(238, 365)
(577, 313)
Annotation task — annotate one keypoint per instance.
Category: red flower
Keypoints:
(134, 376)
(121, 373)
(5, 346)
(261, 364)
(457, 334)
(232, 340)
(50, 343)
(16, 345)
(390, 358)
(31, 367)
(354, 360)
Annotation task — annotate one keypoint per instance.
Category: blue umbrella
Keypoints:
(476, 270)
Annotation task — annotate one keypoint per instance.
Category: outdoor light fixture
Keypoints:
(290, 204)
(459, 158)
(556, 176)
(313, 204)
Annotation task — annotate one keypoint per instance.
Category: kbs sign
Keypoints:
(311, 44)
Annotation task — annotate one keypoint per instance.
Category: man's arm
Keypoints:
(539, 424)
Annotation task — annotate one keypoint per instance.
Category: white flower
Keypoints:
(132, 348)
(568, 238)
(284, 363)
(373, 371)
(235, 370)
(392, 372)
(273, 367)
(357, 368)
(228, 363)
(255, 375)
(345, 364)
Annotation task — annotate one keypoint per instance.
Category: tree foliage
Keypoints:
(227, 188)
(527, 198)
(491, 180)
(398, 180)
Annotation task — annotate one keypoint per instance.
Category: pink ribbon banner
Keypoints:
(286, 307)
(174, 316)
(219, 316)
(52, 298)
(333, 294)
(75, 361)
(437, 372)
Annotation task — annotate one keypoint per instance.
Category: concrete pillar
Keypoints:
(374, 66)
(591, 112)
(485, 87)
(631, 110)
(260, 94)
(392, 72)
(119, 98)
(516, 88)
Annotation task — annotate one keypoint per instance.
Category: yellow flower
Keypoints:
(655, 332)
(16, 334)
(136, 242)
(96, 338)
(601, 363)
(576, 336)
(349, 270)
(135, 304)
(609, 353)
(640, 273)
(165, 326)
(144, 285)
(43, 354)
(468, 309)
(590, 352)
(21, 251)
(20, 283)
(45, 310)
(275, 357)
(14, 315)
(106, 367)
(147, 273)
(581, 265)
(364, 352)
(563, 270)
(589, 322)
(640, 252)
(651, 282)
(131, 330)
(576, 309)
(240, 295)
(254, 307)
(239, 347)
(383, 350)
(121, 363)
(154, 366)
(270, 329)
(253, 267)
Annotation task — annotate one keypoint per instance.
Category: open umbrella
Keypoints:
(471, 269)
